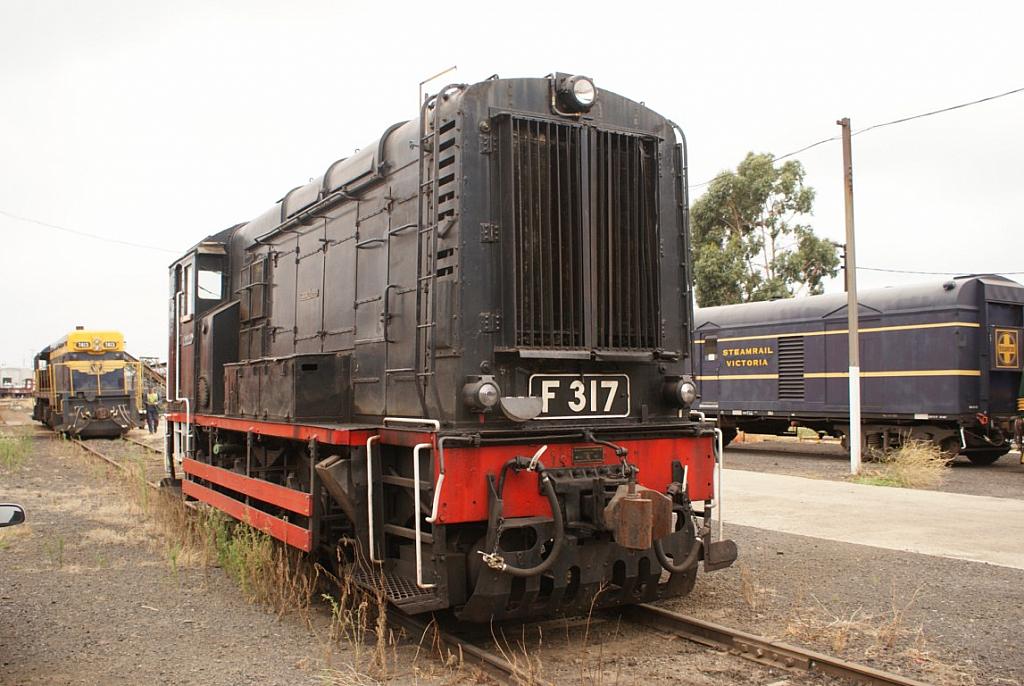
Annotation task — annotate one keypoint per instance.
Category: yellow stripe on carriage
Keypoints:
(737, 377)
(844, 375)
(836, 332)
(905, 373)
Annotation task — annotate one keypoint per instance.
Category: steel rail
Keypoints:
(761, 650)
(109, 460)
(139, 443)
(493, 664)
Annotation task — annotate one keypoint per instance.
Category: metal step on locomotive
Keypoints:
(457, 358)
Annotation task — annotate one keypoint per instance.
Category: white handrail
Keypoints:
(369, 496)
(416, 508)
(437, 499)
(416, 491)
(413, 420)
(720, 465)
(177, 376)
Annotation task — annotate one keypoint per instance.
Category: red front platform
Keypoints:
(464, 493)
(301, 432)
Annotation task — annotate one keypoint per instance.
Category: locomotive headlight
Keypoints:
(482, 394)
(584, 92)
(680, 391)
(487, 395)
(687, 392)
(576, 94)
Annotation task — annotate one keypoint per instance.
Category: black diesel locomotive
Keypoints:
(458, 356)
(940, 362)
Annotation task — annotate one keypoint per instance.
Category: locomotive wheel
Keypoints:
(728, 435)
(985, 458)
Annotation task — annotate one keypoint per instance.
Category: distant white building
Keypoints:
(16, 381)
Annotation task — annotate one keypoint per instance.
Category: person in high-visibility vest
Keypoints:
(152, 411)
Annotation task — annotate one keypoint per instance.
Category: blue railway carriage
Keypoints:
(940, 362)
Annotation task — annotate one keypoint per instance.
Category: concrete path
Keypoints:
(967, 527)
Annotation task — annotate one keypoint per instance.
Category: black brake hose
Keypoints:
(559, 522)
(688, 562)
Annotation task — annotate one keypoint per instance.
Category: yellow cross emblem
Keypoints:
(1007, 349)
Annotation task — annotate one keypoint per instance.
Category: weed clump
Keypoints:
(13, 451)
(915, 464)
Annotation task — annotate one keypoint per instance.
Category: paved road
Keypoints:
(954, 525)
(1004, 478)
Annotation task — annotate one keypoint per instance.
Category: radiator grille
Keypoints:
(582, 205)
(624, 191)
(547, 221)
(791, 368)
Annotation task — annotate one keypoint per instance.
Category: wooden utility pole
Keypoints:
(853, 436)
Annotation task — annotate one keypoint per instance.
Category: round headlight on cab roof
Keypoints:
(584, 91)
(575, 94)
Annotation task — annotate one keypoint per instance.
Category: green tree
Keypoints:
(749, 242)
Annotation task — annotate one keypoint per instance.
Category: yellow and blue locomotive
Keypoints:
(86, 385)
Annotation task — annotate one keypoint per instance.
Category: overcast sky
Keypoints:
(161, 123)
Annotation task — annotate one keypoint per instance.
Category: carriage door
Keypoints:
(706, 369)
(1005, 321)
(399, 310)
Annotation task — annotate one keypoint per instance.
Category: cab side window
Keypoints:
(186, 291)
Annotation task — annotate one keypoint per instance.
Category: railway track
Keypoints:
(761, 650)
(123, 454)
(127, 454)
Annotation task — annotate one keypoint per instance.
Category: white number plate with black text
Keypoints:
(571, 396)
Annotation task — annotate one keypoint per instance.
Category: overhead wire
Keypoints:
(145, 246)
(913, 271)
(86, 234)
(892, 122)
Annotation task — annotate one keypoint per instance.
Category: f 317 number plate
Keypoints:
(572, 396)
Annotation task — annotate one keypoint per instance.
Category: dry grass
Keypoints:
(14, 450)
(359, 620)
(267, 572)
(883, 636)
(757, 596)
(875, 634)
(915, 464)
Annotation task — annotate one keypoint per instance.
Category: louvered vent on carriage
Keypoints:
(791, 367)
(582, 207)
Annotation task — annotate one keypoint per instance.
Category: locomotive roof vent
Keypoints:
(572, 94)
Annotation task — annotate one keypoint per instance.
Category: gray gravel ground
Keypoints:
(88, 595)
(1003, 479)
(940, 620)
